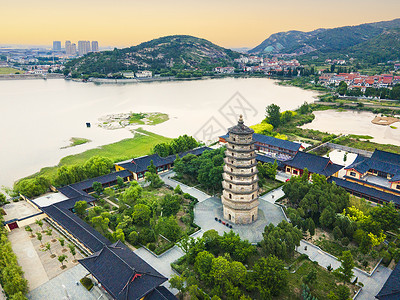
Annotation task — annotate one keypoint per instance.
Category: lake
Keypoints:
(38, 117)
(354, 122)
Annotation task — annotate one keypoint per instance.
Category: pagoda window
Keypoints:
(230, 196)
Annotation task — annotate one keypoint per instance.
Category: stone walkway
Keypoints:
(166, 177)
(372, 284)
(2, 295)
(274, 195)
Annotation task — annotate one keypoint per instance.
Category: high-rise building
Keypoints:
(95, 46)
(81, 48)
(68, 47)
(88, 49)
(56, 45)
(73, 49)
(240, 194)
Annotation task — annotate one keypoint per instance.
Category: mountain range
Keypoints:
(380, 39)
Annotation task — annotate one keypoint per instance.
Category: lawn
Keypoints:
(6, 71)
(141, 144)
(325, 282)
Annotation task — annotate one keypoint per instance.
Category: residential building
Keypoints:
(56, 45)
(83, 47)
(95, 46)
(144, 74)
(240, 180)
(68, 50)
(73, 49)
(88, 48)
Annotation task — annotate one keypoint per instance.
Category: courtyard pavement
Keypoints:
(372, 284)
(28, 258)
(67, 286)
(206, 211)
(274, 195)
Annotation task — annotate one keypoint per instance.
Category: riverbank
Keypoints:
(31, 76)
(140, 144)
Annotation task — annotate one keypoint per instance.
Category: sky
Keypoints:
(228, 23)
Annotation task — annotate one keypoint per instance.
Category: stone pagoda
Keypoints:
(240, 180)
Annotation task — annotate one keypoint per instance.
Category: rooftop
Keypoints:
(313, 163)
(240, 128)
(50, 199)
(122, 273)
(391, 288)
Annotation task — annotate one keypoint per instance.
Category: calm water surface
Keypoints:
(38, 117)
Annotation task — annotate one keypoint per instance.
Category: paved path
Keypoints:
(2, 295)
(274, 195)
(28, 258)
(282, 176)
(163, 263)
(166, 177)
(372, 285)
(65, 286)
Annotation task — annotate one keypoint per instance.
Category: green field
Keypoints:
(141, 144)
(6, 71)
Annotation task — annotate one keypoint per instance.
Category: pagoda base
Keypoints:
(236, 216)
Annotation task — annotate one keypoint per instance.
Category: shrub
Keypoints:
(107, 206)
(151, 246)
(345, 241)
(87, 283)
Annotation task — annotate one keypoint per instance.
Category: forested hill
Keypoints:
(356, 40)
(177, 52)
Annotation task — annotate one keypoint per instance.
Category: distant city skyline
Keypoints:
(228, 23)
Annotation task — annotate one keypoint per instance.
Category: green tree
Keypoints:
(39, 236)
(178, 190)
(3, 199)
(120, 182)
(171, 204)
(29, 229)
(49, 232)
(98, 166)
(72, 250)
(101, 223)
(342, 88)
(62, 241)
(132, 193)
(178, 282)
(47, 247)
(237, 272)
(270, 276)
(141, 214)
(273, 115)
(387, 215)
(169, 228)
(219, 270)
(80, 207)
(97, 187)
(118, 235)
(310, 226)
(281, 240)
(203, 264)
(154, 179)
(62, 258)
(40, 224)
(347, 264)
(310, 277)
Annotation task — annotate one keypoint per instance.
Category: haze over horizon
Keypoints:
(228, 23)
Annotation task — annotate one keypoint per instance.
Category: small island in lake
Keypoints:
(117, 121)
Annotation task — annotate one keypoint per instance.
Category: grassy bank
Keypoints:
(76, 141)
(148, 118)
(366, 145)
(141, 144)
(6, 71)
